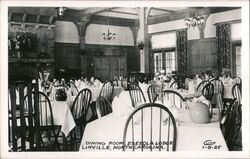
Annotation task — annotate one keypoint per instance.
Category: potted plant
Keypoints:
(21, 42)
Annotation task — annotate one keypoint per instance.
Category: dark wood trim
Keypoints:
(46, 11)
(67, 44)
(91, 47)
(163, 49)
(32, 24)
(164, 10)
(113, 11)
(168, 31)
(30, 60)
(236, 42)
(97, 19)
(186, 13)
(229, 22)
(205, 39)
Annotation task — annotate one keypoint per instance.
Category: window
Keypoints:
(170, 61)
(157, 62)
(164, 45)
(237, 59)
(164, 60)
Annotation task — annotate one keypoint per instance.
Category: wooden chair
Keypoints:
(142, 77)
(174, 85)
(150, 123)
(208, 91)
(103, 107)
(175, 98)
(201, 85)
(107, 90)
(132, 78)
(47, 131)
(74, 89)
(124, 82)
(79, 111)
(218, 86)
(154, 91)
(231, 125)
(136, 94)
(236, 92)
(31, 126)
(238, 80)
(21, 117)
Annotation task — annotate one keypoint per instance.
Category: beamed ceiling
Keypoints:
(48, 15)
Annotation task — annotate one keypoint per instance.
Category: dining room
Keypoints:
(119, 78)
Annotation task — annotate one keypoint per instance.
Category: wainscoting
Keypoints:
(202, 56)
(117, 59)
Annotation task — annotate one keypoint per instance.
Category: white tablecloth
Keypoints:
(96, 91)
(125, 97)
(63, 116)
(108, 131)
(228, 91)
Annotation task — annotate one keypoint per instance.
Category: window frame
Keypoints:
(234, 45)
(163, 51)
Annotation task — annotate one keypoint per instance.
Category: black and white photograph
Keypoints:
(125, 79)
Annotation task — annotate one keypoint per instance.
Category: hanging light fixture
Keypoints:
(194, 21)
(108, 35)
(61, 11)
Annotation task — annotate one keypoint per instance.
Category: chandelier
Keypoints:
(108, 35)
(194, 21)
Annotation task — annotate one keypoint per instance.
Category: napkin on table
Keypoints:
(120, 107)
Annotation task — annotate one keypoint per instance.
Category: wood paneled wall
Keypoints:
(67, 56)
(131, 53)
(202, 56)
(70, 57)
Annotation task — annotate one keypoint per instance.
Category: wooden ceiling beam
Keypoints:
(97, 19)
(182, 14)
(46, 11)
(121, 12)
(164, 10)
(97, 10)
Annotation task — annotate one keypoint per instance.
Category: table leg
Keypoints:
(64, 143)
(93, 110)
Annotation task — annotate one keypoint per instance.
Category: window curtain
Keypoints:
(223, 40)
(181, 44)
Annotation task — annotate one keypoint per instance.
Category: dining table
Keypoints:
(96, 91)
(106, 133)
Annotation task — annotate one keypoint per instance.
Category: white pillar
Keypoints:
(143, 34)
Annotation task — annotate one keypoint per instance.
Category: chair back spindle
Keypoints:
(148, 124)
